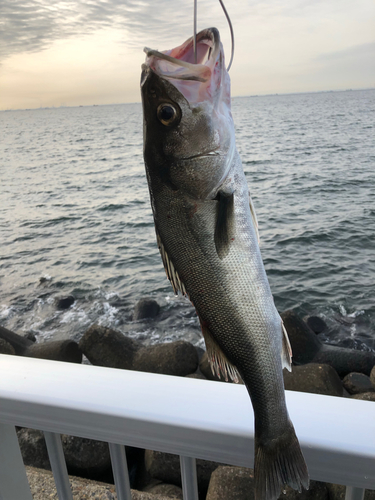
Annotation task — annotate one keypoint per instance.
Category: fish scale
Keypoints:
(207, 235)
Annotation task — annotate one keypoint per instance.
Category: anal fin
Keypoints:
(170, 270)
(219, 363)
(254, 217)
(286, 349)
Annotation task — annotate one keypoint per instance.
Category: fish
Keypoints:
(207, 233)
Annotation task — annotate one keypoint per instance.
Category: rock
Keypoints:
(356, 383)
(166, 468)
(316, 324)
(86, 457)
(42, 485)
(308, 348)
(314, 378)
(33, 448)
(337, 492)
(231, 483)
(57, 350)
(145, 308)
(6, 348)
(365, 396)
(237, 483)
(106, 347)
(175, 358)
(166, 490)
(64, 302)
(372, 376)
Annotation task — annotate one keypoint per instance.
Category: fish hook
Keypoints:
(230, 28)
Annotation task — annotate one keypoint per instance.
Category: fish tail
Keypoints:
(278, 463)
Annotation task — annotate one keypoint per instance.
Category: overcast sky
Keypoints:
(76, 52)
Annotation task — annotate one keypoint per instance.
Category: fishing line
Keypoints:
(195, 32)
(230, 28)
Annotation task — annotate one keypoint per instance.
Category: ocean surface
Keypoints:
(75, 216)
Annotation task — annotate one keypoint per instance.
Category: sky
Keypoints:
(85, 52)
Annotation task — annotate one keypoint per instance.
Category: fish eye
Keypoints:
(167, 114)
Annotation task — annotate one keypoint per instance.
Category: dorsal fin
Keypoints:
(219, 363)
(170, 270)
(224, 230)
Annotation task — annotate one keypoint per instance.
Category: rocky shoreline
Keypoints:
(318, 368)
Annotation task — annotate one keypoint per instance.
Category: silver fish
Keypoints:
(207, 235)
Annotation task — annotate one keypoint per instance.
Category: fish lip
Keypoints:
(208, 154)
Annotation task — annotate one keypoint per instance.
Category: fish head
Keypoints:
(188, 127)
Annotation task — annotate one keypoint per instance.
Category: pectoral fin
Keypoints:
(224, 230)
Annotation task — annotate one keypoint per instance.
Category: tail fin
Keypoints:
(279, 463)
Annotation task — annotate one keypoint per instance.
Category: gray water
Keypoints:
(75, 216)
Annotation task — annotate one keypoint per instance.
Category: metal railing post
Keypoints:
(58, 465)
(353, 493)
(13, 479)
(189, 478)
(120, 471)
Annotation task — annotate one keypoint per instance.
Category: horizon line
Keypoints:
(234, 97)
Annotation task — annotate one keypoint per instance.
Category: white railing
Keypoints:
(188, 417)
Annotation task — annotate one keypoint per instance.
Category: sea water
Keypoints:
(75, 216)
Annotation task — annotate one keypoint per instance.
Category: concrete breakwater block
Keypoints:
(231, 483)
(372, 376)
(314, 378)
(316, 324)
(307, 348)
(365, 396)
(337, 492)
(356, 383)
(42, 486)
(167, 490)
(6, 348)
(237, 483)
(145, 308)
(57, 350)
(19, 343)
(84, 457)
(64, 302)
(106, 347)
(166, 467)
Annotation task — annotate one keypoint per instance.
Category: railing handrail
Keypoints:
(185, 416)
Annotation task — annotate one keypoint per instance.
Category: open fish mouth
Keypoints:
(179, 63)
(197, 76)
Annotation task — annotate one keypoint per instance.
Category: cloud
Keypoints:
(33, 25)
